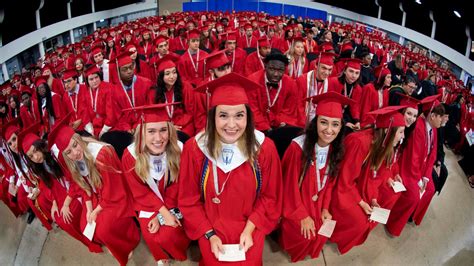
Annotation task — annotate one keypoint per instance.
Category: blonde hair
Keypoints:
(291, 57)
(88, 158)
(173, 154)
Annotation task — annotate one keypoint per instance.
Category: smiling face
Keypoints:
(410, 115)
(156, 137)
(323, 71)
(170, 76)
(74, 150)
(328, 128)
(231, 121)
(399, 134)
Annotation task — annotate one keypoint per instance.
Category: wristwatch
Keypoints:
(210, 234)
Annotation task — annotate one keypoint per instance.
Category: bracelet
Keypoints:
(161, 219)
(210, 234)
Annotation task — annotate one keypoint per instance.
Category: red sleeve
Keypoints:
(268, 206)
(328, 193)
(413, 155)
(58, 107)
(357, 97)
(288, 114)
(142, 196)
(196, 223)
(257, 105)
(293, 207)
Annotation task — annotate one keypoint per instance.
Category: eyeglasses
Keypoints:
(224, 67)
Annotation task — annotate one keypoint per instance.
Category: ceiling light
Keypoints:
(457, 14)
(418, 2)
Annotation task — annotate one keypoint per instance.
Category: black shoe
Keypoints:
(410, 220)
(31, 217)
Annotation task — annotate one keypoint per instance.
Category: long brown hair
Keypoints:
(378, 152)
(173, 154)
(334, 157)
(38, 168)
(247, 142)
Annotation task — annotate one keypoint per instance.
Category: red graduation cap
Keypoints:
(326, 58)
(40, 80)
(229, 35)
(194, 34)
(168, 61)
(70, 73)
(92, 70)
(330, 104)
(26, 89)
(215, 59)
(408, 101)
(247, 26)
(263, 42)
(346, 47)
(96, 50)
(381, 71)
(160, 39)
(428, 103)
(325, 47)
(354, 63)
(61, 133)
(228, 90)
(27, 137)
(13, 126)
(389, 117)
(122, 59)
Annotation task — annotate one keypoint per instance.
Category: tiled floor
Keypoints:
(446, 237)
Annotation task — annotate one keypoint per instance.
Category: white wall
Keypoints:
(19, 45)
(443, 50)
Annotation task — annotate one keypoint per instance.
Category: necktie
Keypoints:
(430, 140)
(272, 85)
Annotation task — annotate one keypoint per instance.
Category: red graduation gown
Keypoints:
(79, 105)
(115, 228)
(237, 60)
(177, 44)
(352, 225)
(239, 201)
(371, 101)
(298, 204)
(99, 100)
(172, 240)
(294, 73)
(180, 116)
(30, 115)
(356, 94)
(188, 66)
(415, 163)
(253, 64)
(302, 93)
(120, 100)
(284, 109)
(7, 172)
(245, 42)
(59, 111)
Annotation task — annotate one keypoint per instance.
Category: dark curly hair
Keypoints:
(160, 89)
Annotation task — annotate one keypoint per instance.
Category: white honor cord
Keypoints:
(318, 175)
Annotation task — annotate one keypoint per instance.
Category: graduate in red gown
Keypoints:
(248, 40)
(365, 166)
(152, 175)
(141, 66)
(217, 65)
(416, 166)
(171, 88)
(273, 102)
(188, 66)
(313, 83)
(375, 94)
(310, 167)
(254, 61)
(49, 103)
(55, 84)
(348, 85)
(298, 64)
(235, 54)
(223, 166)
(77, 101)
(99, 97)
(53, 184)
(388, 197)
(29, 107)
(96, 169)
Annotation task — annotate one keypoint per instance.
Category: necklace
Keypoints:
(272, 103)
(320, 184)
(216, 199)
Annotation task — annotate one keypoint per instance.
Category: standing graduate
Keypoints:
(189, 65)
(365, 166)
(416, 166)
(230, 177)
(310, 167)
(96, 169)
(151, 165)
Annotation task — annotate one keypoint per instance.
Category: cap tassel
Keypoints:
(385, 139)
(140, 136)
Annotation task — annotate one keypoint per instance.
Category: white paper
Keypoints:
(470, 137)
(380, 215)
(89, 230)
(398, 187)
(12, 189)
(144, 214)
(232, 253)
(327, 228)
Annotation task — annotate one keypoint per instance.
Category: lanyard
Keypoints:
(132, 101)
(318, 175)
(170, 110)
(74, 104)
(272, 103)
(195, 65)
(94, 100)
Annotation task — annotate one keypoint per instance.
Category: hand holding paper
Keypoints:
(398, 187)
(232, 253)
(327, 228)
(379, 215)
(89, 230)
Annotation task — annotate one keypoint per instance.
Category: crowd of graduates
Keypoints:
(222, 128)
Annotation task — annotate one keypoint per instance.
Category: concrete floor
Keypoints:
(446, 237)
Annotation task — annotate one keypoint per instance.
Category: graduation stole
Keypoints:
(205, 176)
